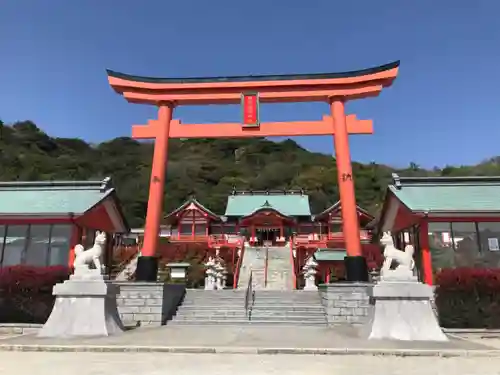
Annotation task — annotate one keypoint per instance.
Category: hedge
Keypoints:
(468, 298)
(26, 292)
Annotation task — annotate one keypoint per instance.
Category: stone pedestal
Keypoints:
(310, 283)
(85, 306)
(403, 311)
(346, 303)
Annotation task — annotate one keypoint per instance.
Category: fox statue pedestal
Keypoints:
(85, 304)
(403, 309)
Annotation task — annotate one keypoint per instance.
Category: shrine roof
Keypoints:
(51, 198)
(290, 204)
(187, 204)
(267, 207)
(448, 194)
(337, 207)
(255, 78)
(330, 255)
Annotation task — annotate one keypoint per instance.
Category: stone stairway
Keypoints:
(279, 269)
(290, 307)
(202, 307)
(128, 271)
(271, 307)
(254, 258)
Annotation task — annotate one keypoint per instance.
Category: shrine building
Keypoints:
(274, 218)
(450, 221)
(261, 218)
(42, 221)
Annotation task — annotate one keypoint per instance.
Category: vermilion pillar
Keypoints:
(147, 264)
(426, 254)
(355, 263)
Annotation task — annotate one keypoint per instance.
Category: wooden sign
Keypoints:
(250, 106)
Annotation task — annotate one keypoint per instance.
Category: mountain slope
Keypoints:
(206, 168)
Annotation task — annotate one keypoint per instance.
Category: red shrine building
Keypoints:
(278, 219)
(450, 221)
(42, 221)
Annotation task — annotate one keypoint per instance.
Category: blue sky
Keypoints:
(442, 109)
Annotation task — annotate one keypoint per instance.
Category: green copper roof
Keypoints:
(50, 198)
(448, 194)
(287, 204)
(330, 255)
(250, 78)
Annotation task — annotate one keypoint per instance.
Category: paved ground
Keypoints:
(249, 337)
(220, 364)
(484, 338)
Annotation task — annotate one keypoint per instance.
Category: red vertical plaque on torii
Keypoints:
(250, 104)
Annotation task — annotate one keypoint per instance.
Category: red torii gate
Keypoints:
(333, 88)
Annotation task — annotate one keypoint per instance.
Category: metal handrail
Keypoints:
(249, 297)
(266, 266)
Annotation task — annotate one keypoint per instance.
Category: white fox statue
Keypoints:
(83, 258)
(404, 259)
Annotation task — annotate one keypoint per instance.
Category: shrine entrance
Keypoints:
(333, 88)
(267, 236)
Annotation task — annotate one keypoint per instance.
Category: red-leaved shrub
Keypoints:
(26, 292)
(468, 298)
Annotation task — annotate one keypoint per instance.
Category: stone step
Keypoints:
(215, 298)
(215, 304)
(218, 300)
(210, 311)
(204, 316)
(291, 318)
(199, 322)
(253, 319)
(311, 299)
(259, 309)
(290, 307)
(293, 292)
(239, 307)
(287, 318)
(266, 312)
(224, 292)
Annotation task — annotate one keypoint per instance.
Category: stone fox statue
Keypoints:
(93, 255)
(404, 259)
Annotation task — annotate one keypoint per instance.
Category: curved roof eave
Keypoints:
(255, 78)
(261, 209)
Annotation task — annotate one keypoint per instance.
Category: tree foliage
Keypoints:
(206, 168)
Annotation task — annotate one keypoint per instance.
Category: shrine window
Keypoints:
(441, 246)
(35, 245)
(60, 242)
(336, 228)
(305, 229)
(15, 245)
(37, 251)
(465, 241)
(489, 239)
(185, 229)
(230, 229)
(215, 229)
(200, 229)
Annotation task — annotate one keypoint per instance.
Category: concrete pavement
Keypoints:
(249, 339)
(223, 364)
